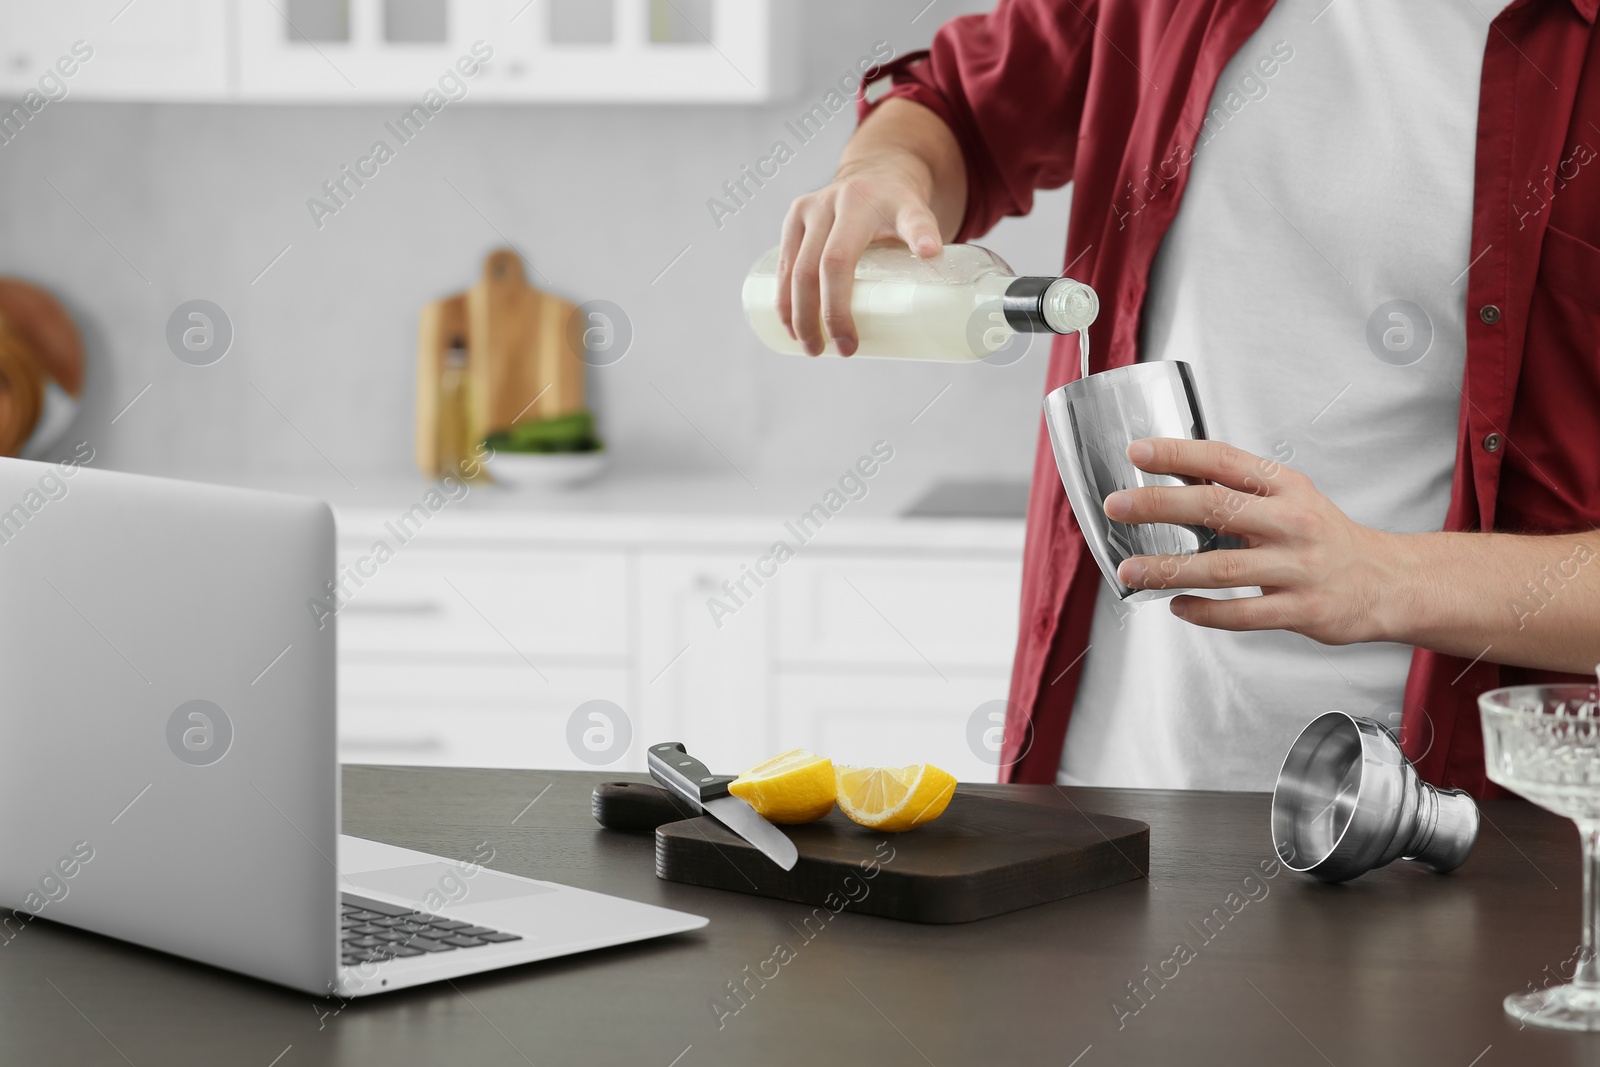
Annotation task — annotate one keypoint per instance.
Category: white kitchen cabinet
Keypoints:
(419, 53)
(703, 683)
(149, 49)
(704, 51)
(477, 642)
(437, 600)
(484, 711)
(332, 50)
(878, 718)
(938, 612)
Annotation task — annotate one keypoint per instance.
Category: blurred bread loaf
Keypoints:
(40, 348)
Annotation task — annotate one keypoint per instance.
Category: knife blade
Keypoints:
(672, 766)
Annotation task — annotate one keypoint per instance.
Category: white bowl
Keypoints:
(545, 469)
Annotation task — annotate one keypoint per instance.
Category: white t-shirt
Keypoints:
(1330, 188)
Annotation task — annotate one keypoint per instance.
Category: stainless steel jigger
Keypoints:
(1348, 801)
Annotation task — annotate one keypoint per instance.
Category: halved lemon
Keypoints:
(894, 798)
(795, 787)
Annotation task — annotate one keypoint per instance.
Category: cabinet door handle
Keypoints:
(378, 746)
(394, 607)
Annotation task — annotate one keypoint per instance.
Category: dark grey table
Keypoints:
(1401, 967)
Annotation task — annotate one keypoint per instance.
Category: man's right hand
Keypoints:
(902, 176)
(824, 235)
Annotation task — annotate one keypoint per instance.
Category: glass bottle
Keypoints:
(962, 305)
(454, 427)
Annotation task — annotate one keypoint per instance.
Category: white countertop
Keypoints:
(663, 511)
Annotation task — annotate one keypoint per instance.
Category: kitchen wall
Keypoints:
(128, 210)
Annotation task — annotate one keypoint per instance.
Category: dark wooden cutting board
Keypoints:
(980, 858)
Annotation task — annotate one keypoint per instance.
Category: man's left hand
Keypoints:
(1320, 573)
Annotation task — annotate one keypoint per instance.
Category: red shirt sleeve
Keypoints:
(1011, 86)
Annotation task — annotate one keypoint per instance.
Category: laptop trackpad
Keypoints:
(445, 885)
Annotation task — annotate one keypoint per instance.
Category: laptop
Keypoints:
(170, 776)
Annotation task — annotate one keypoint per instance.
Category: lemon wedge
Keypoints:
(796, 787)
(894, 798)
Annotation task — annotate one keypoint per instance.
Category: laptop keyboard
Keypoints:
(373, 932)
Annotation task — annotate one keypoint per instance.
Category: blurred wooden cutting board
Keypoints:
(520, 365)
(517, 344)
(442, 322)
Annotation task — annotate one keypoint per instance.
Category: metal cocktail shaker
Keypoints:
(1349, 801)
(1092, 421)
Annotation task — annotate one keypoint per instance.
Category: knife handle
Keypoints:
(637, 806)
(672, 766)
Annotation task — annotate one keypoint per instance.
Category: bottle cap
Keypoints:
(1069, 306)
(1049, 305)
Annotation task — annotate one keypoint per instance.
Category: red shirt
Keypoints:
(1110, 95)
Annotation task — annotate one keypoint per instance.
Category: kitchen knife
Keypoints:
(672, 766)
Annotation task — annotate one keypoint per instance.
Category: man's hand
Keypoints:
(1320, 573)
(824, 235)
(1525, 600)
(901, 176)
